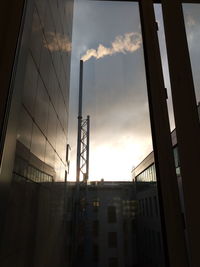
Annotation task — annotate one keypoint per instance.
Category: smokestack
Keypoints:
(80, 89)
(79, 122)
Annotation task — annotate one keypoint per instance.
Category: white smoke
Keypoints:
(129, 42)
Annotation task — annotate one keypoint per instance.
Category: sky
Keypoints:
(107, 36)
(192, 21)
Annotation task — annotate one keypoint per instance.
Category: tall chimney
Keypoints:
(79, 121)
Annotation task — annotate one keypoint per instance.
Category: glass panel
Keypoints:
(30, 85)
(192, 24)
(49, 155)
(36, 37)
(42, 107)
(38, 143)
(111, 219)
(163, 52)
(112, 214)
(115, 98)
(25, 129)
(37, 226)
(52, 126)
(114, 89)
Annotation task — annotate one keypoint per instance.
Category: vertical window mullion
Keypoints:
(186, 117)
(165, 169)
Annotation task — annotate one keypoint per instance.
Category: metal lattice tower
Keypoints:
(84, 152)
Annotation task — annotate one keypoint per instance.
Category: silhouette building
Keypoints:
(107, 223)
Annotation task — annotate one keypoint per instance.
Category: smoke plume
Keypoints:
(129, 42)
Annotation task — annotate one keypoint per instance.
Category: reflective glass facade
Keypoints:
(149, 234)
(37, 224)
(149, 175)
(148, 216)
(42, 130)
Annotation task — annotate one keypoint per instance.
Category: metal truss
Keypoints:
(84, 148)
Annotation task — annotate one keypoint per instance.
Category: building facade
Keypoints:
(150, 246)
(108, 231)
(34, 163)
(149, 232)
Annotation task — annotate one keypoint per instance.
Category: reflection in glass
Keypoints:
(37, 228)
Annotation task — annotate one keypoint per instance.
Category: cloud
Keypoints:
(130, 42)
(57, 42)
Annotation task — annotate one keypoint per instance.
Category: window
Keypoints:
(96, 205)
(112, 216)
(112, 239)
